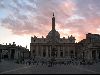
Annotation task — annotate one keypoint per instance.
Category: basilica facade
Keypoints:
(53, 45)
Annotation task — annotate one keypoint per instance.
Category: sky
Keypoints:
(21, 19)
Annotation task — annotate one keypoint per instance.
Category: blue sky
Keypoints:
(3, 14)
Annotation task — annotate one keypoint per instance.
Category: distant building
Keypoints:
(12, 51)
(89, 47)
(53, 45)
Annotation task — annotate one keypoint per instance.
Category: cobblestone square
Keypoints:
(9, 67)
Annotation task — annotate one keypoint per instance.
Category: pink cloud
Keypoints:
(36, 20)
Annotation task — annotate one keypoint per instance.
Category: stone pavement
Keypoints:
(8, 67)
(94, 68)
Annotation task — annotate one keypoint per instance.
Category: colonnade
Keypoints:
(47, 49)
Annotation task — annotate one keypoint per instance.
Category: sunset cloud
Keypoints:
(33, 17)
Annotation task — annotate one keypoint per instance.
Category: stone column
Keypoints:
(74, 52)
(37, 50)
(68, 52)
(42, 51)
(50, 51)
(87, 54)
(63, 51)
(90, 55)
(96, 55)
(58, 51)
(0, 54)
(18, 55)
(15, 55)
(9, 54)
(46, 51)
(31, 49)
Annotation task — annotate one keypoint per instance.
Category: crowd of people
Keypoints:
(52, 62)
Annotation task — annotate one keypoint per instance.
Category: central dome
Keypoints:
(50, 34)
